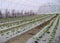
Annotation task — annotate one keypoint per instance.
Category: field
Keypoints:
(42, 28)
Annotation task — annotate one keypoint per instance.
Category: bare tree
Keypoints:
(7, 13)
(0, 14)
(31, 13)
(13, 13)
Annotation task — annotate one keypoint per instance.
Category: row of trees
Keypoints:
(14, 14)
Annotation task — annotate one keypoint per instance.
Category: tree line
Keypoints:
(15, 14)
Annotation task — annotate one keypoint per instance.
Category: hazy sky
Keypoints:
(25, 4)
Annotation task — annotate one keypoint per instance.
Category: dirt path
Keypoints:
(24, 37)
